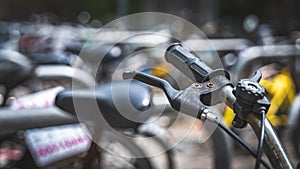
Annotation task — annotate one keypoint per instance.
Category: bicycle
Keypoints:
(247, 99)
(280, 86)
(27, 124)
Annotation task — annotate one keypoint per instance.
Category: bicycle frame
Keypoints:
(23, 119)
(65, 72)
(272, 145)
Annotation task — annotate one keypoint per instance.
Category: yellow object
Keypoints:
(228, 116)
(281, 93)
(161, 70)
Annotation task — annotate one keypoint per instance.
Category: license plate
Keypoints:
(51, 144)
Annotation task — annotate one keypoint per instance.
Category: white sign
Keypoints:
(51, 144)
(45, 98)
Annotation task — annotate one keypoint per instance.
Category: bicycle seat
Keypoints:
(15, 68)
(50, 58)
(122, 104)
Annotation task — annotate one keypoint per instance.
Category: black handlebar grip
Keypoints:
(187, 63)
(190, 65)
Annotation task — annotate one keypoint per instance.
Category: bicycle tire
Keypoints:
(169, 153)
(96, 153)
(221, 147)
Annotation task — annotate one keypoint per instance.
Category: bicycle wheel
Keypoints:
(214, 153)
(116, 152)
(162, 160)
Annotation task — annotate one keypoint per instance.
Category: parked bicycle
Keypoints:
(247, 99)
(34, 134)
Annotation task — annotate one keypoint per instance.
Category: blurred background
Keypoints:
(245, 35)
(225, 18)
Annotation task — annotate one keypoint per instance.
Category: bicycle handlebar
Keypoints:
(187, 63)
(195, 69)
(198, 71)
(190, 65)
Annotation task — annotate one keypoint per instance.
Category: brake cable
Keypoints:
(261, 140)
(244, 144)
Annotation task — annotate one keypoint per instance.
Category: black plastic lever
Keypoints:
(186, 101)
(171, 93)
(256, 77)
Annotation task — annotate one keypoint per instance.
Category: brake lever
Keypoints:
(171, 93)
(186, 101)
(256, 77)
